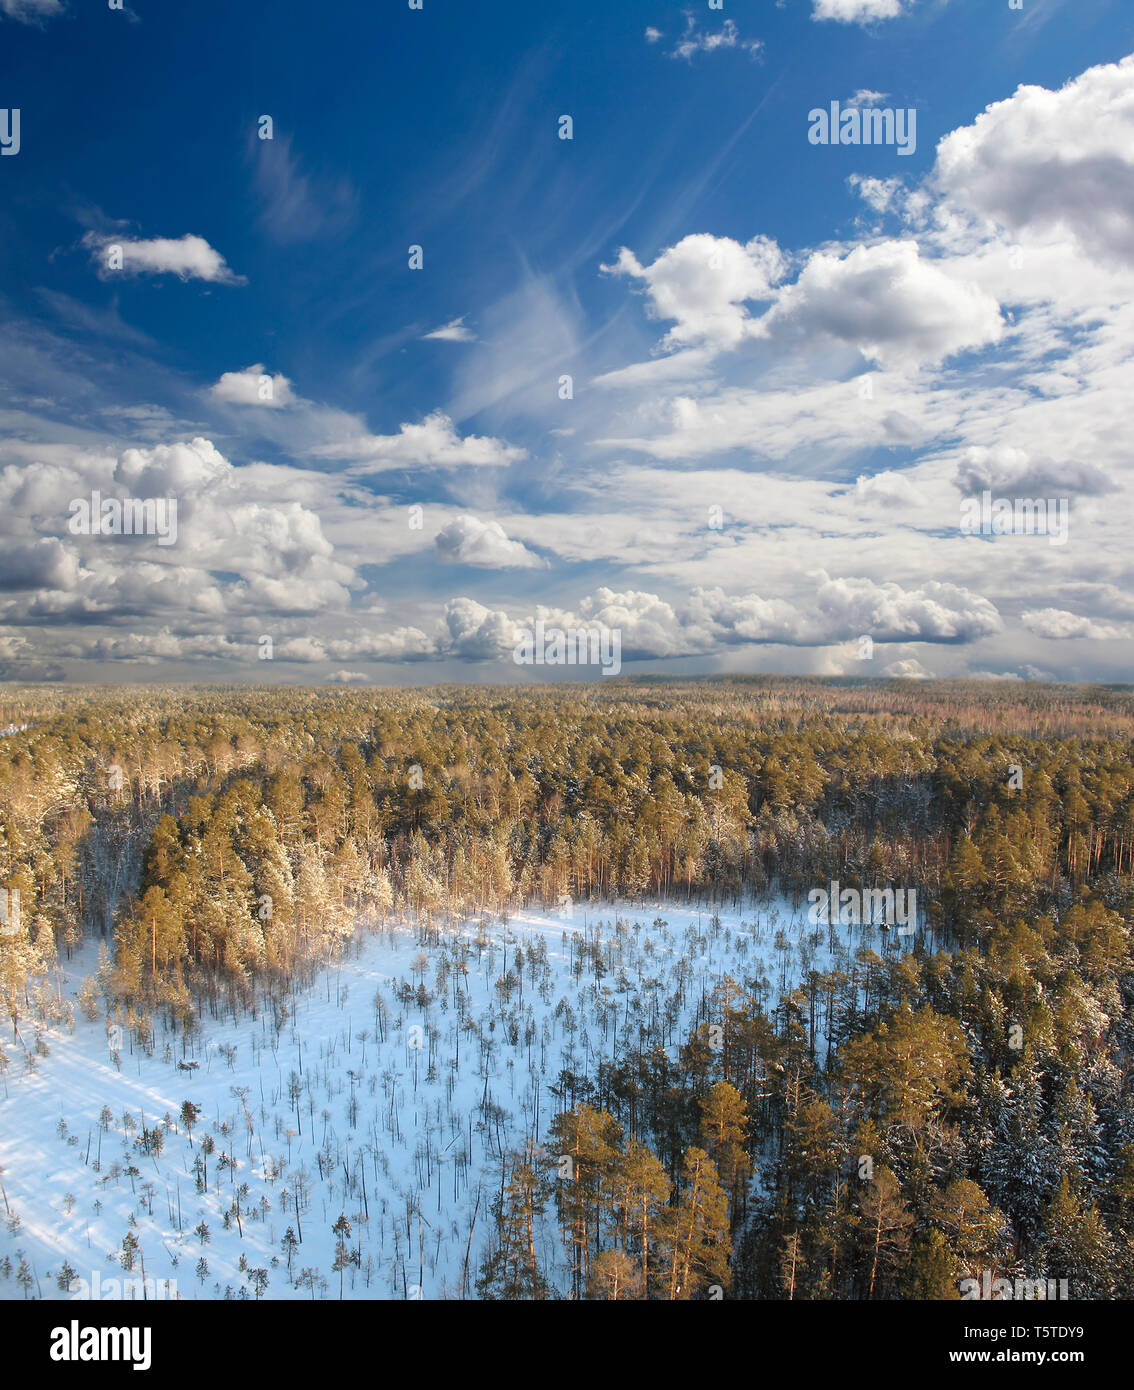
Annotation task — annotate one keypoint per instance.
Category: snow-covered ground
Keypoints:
(386, 1090)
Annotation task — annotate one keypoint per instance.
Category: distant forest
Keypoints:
(880, 1132)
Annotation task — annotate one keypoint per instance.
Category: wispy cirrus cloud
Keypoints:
(297, 205)
(98, 321)
(454, 331)
(30, 11)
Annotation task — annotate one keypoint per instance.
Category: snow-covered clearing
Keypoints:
(387, 1090)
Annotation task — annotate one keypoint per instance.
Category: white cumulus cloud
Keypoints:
(1059, 625)
(895, 307)
(434, 443)
(695, 40)
(910, 669)
(703, 282)
(1052, 162)
(466, 540)
(856, 11)
(253, 386)
(188, 257)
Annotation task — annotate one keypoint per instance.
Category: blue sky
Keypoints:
(833, 345)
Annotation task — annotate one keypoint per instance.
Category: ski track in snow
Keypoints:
(420, 1255)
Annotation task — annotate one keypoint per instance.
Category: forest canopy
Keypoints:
(222, 842)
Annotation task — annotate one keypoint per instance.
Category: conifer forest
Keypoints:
(523, 994)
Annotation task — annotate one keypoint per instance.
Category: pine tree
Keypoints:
(190, 1114)
(1121, 1203)
(511, 1269)
(975, 1230)
(614, 1277)
(696, 1234)
(935, 1272)
(814, 1149)
(791, 1264)
(344, 1256)
(885, 1229)
(584, 1145)
(641, 1190)
(724, 1134)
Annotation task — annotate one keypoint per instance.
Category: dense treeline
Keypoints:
(911, 1122)
(881, 1132)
